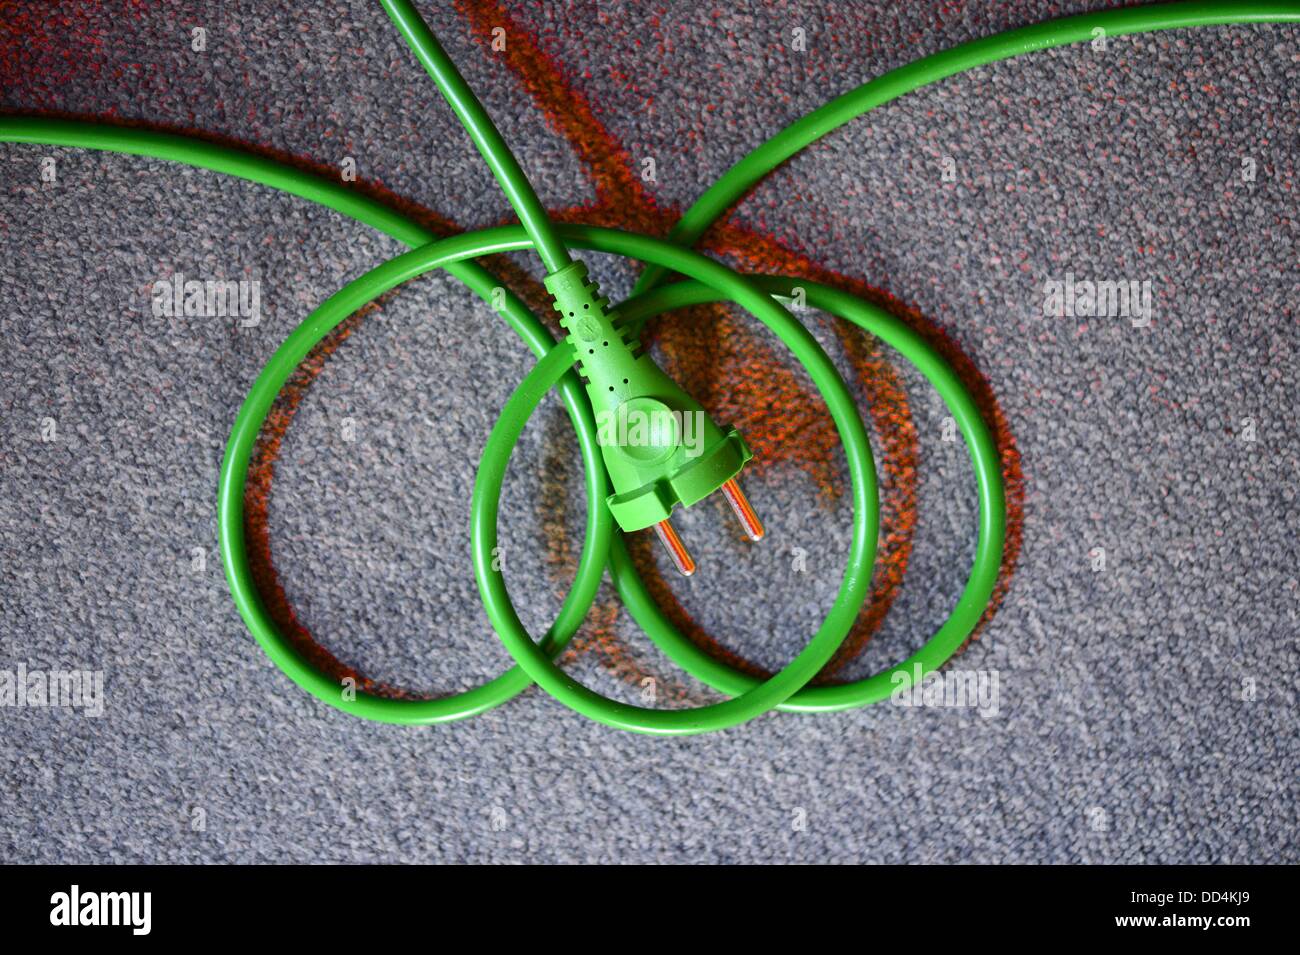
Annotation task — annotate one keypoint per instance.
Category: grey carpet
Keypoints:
(1125, 730)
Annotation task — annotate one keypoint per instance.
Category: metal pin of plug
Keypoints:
(753, 527)
(682, 559)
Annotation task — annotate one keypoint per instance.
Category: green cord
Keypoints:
(648, 479)
(487, 138)
(534, 658)
(984, 459)
(542, 235)
(234, 469)
(760, 696)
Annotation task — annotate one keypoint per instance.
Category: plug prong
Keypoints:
(676, 549)
(740, 504)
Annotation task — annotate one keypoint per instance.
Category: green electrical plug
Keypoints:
(660, 447)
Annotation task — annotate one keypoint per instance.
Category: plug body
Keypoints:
(660, 447)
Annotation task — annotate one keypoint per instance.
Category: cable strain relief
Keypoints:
(584, 313)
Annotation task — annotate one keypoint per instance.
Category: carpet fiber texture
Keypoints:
(1144, 641)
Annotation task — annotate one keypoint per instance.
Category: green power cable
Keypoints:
(651, 473)
(970, 606)
(759, 696)
(495, 457)
(230, 501)
(984, 459)
(694, 224)
(487, 138)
